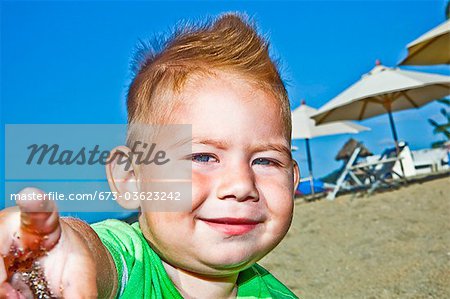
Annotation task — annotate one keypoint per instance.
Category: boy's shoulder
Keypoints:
(140, 269)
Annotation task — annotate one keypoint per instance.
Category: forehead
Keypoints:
(228, 105)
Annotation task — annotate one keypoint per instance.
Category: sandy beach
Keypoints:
(394, 244)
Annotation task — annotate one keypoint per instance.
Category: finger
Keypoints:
(3, 275)
(39, 221)
(9, 226)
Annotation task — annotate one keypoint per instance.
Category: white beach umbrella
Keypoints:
(384, 90)
(304, 127)
(432, 47)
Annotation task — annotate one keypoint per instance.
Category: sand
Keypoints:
(394, 244)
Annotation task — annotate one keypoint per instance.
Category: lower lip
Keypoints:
(232, 229)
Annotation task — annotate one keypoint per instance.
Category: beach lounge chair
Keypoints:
(347, 172)
(380, 173)
(369, 175)
(405, 168)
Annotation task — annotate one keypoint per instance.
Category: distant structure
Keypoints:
(348, 149)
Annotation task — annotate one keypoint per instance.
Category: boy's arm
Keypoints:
(70, 256)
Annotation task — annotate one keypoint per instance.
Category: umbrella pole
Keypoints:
(394, 134)
(394, 130)
(308, 155)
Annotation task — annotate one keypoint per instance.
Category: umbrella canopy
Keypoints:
(432, 47)
(304, 127)
(384, 90)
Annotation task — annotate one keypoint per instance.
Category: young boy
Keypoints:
(220, 79)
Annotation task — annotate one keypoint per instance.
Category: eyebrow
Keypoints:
(215, 143)
(274, 147)
(222, 145)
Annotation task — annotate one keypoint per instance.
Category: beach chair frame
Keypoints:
(371, 176)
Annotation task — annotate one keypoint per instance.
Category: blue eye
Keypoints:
(203, 158)
(262, 161)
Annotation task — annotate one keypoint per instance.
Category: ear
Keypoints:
(296, 176)
(122, 177)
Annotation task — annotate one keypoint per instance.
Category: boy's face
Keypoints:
(243, 179)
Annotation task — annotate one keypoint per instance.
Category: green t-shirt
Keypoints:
(142, 275)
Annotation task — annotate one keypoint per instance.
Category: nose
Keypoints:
(238, 183)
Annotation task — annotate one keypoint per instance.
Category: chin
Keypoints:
(233, 256)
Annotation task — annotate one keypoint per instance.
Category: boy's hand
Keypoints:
(34, 238)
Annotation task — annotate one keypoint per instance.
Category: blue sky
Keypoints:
(68, 62)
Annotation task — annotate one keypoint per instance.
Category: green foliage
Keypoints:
(447, 10)
(444, 101)
(444, 128)
(438, 144)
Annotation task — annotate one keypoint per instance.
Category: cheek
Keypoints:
(201, 188)
(278, 194)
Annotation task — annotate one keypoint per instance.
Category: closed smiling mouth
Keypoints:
(232, 226)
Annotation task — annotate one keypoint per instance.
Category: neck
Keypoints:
(192, 285)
